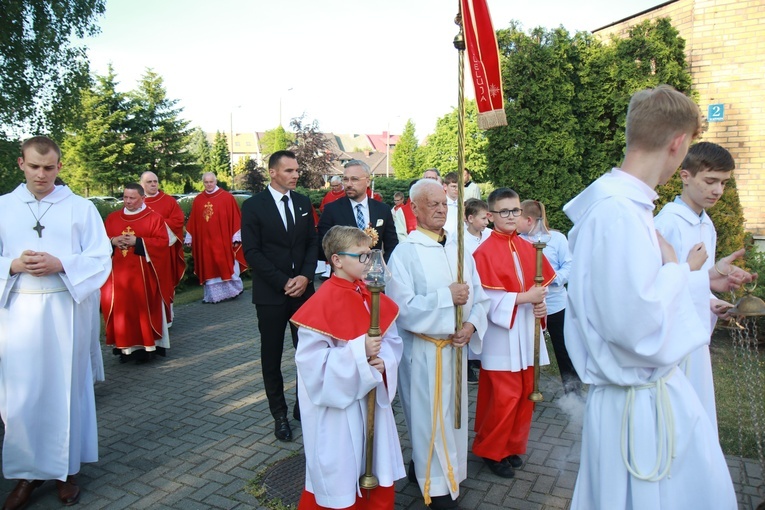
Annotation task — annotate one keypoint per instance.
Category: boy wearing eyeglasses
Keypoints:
(338, 365)
(507, 267)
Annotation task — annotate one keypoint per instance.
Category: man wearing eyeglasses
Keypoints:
(356, 209)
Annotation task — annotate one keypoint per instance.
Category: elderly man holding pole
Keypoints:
(425, 287)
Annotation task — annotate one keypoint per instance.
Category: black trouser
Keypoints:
(272, 320)
(568, 375)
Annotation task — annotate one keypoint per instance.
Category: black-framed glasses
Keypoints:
(363, 257)
(505, 213)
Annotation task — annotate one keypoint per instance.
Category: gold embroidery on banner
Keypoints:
(207, 214)
(127, 232)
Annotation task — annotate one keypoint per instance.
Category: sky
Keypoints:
(356, 66)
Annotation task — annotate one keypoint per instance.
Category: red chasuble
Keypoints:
(319, 313)
(133, 296)
(167, 207)
(496, 265)
(331, 197)
(215, 218)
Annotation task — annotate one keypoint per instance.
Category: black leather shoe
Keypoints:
(514, 460)
(500, 468)
(296, 412)
(282, 429)
(19, 498)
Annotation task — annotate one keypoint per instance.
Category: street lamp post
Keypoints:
(231, 136)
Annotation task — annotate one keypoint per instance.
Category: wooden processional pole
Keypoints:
(459, 43)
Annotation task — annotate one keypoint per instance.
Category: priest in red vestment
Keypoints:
(336, 191)
(507, 267)
(134, 296)
(214, 233)
(168, 208)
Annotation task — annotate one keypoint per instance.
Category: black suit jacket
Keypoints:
(340, 212)
(271, 253)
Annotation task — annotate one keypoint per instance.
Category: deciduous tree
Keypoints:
(42, 65)
(440, 149)
(313, 151)
(404, 157)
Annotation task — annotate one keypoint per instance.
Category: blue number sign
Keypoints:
(716, 112)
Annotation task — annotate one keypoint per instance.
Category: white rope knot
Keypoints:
(665, 428)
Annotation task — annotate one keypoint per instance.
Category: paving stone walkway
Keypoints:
(190, 430)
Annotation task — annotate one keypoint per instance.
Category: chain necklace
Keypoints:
(38, 227)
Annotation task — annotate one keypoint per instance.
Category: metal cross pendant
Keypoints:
(39, 228)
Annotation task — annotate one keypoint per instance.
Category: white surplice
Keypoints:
(683, 229)
(334, 378)
(49, 334)
(422, 272)
(629, 322)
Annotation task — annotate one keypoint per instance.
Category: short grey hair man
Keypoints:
(357, 162)
(433, 174)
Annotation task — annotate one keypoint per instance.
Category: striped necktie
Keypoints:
(360, 217)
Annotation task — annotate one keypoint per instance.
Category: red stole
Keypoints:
(411, 220)
(133, 296)
(320, 312)
(496, 265)
(167, 207)
(215, 218)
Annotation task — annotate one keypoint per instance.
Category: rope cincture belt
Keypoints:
(665, 426)
(438, 416)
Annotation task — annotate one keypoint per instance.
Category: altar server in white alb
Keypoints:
(54, 257)
(424, 269)
(631, 319)
(684, 223)
(339, 363)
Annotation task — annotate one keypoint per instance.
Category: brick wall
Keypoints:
(725, 48)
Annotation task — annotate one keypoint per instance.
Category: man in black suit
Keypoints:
(356, 209)
(280, 245)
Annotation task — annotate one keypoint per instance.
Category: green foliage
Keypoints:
(42, 68)
(440, 149)
(162, 137)
(98, 150)
(277, 139)
(403, 160)
(537, 154)
(727, 215)
(566, 103)
(387, 186)
(10, 175)
(314, 195)
(220, 158)
(201, 149)
(248, 175)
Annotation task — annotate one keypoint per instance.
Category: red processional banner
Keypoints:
(483, 60)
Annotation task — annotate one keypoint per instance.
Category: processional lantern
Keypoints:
(539, 237)
(376, 275)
